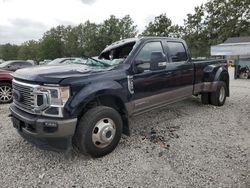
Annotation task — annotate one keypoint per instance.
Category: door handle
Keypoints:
(168, 73)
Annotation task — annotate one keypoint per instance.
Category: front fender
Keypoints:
(91, 91)
(6, 76)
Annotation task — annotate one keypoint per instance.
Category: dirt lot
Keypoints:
(183, 145)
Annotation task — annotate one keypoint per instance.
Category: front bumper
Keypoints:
(46, 133)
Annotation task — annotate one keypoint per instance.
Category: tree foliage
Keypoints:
(162, 26)
(8, 51)
(227, 18)
(214, 22)
(85, 39)
(29, 50)
(195, 33)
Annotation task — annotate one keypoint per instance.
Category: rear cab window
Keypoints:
(26, 63)
(177, 51)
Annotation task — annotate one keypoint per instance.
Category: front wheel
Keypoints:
(218, 97)
(98, 131)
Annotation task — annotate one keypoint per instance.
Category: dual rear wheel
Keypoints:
(216, 98)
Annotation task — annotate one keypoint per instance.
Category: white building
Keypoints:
(236, 49)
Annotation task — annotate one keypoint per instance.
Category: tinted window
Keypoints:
(146, 51)
(177, 52)
(16, 63)
(26, 63)
(150, 56)
(21, 63)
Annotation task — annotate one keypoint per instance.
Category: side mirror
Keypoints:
(137, 68)
(157, 61)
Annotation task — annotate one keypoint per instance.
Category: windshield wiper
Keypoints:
(104, 64)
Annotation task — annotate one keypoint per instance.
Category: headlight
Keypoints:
(59, 96)
(51, 100)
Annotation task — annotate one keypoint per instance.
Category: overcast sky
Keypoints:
(22, 20)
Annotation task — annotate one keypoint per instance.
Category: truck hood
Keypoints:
(54, 74)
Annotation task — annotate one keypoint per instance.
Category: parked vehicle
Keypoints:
(65, 60)
(33, 62)
(44, 62)
(91, 103)
(244, 72)
(15, 65)
(5, 86)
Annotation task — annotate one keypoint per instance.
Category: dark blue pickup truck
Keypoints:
(88, 104)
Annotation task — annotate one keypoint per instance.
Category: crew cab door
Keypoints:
(180, 66)
(157, 79)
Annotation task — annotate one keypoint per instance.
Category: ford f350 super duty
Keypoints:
(88, 104)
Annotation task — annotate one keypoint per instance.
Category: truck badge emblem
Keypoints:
(17, 95)
(130, 84)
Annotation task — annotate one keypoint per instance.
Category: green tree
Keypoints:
(29, 50)
(72, 42)
(227, 18)
(214, 22)
(88, 37)
(127, 27)
(52, 43)
(162, 26)
(51, 47)
(195, 33)
(114, 29)
(9, 51)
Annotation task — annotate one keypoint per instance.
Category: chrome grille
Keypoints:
(26, 100)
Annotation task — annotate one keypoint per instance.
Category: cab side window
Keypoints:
(25, 64)
(177, 52)
(16, 64)
(150, 54)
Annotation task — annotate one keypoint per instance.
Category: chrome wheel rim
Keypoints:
(5, 93)
(222, 94)
(103, 132)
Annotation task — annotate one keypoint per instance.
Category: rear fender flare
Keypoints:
(221, 70)
(212, 76)
(222, 75)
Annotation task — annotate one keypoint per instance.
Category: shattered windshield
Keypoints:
(97, 62)
(117, 52)
(56, 61)
(111, 56)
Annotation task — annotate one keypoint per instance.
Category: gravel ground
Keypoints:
(183, 145)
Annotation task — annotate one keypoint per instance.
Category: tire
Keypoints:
(98, 131)
(218, 97)
(5, 93)
(205, 98)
